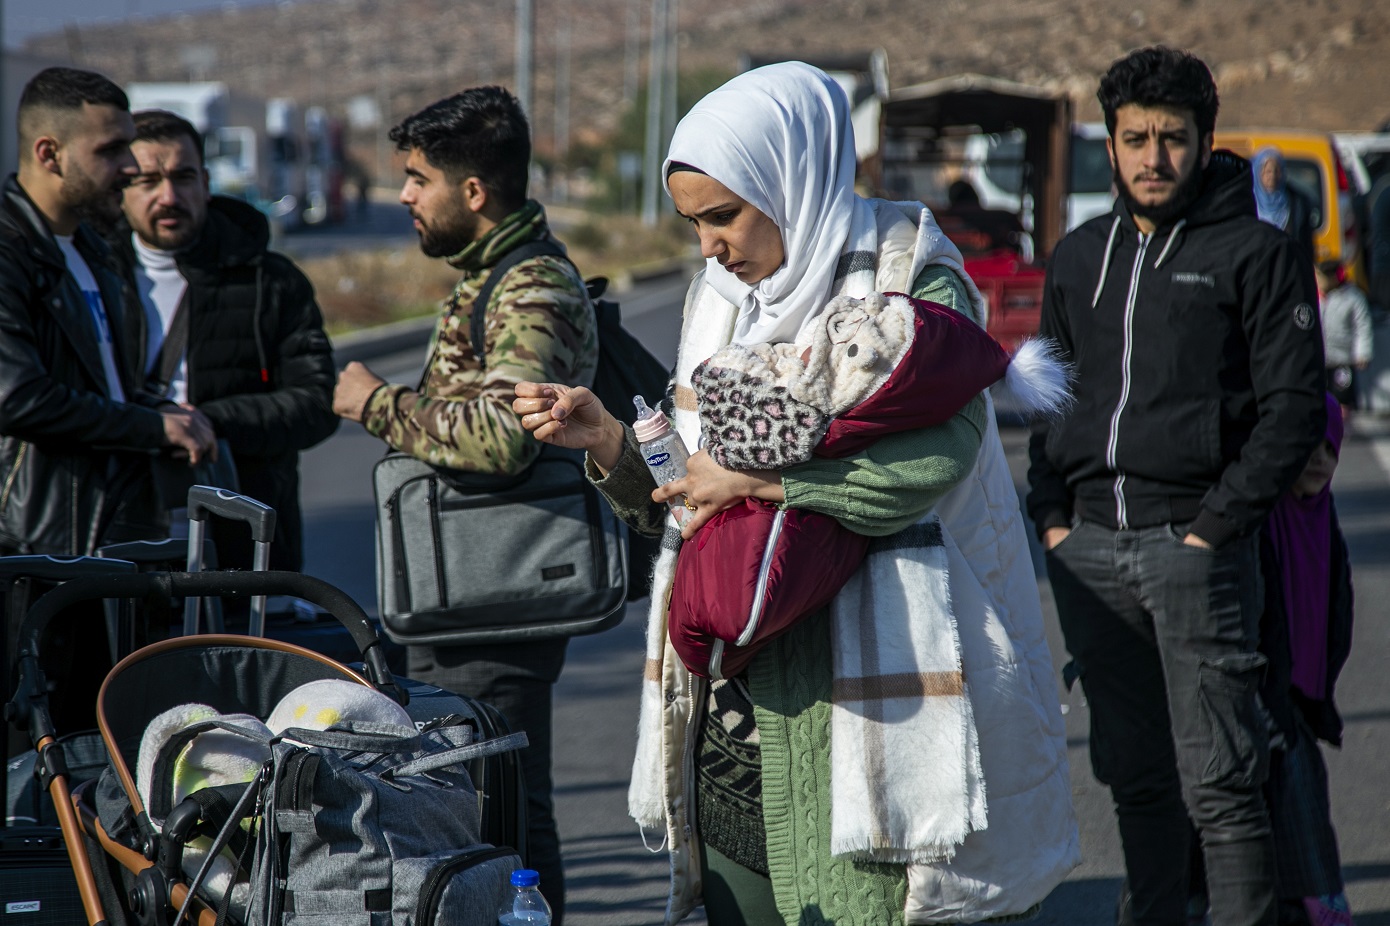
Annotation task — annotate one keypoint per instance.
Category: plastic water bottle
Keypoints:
(663, 450)
(527, 906)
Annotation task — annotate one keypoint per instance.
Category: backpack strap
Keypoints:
(541, 247)
(458, 755)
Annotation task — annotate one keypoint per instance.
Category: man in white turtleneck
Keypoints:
(161, 287)
(229, 326)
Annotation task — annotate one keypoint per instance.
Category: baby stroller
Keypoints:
(131, 871)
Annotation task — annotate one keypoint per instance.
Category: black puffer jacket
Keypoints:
(73, 462)
(1198, 368)
(259, 364)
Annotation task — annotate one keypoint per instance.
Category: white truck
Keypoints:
(254, 149)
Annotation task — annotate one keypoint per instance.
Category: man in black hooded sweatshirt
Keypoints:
(249, 352)
(1193, 328)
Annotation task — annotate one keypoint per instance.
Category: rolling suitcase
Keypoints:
(301, 624)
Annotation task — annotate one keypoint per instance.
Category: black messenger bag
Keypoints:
(469, 558)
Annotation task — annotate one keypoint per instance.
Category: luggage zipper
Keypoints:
(440, 583)
(486, 501)
(431, 891)
(403, 602)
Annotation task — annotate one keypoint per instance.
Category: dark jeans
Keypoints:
(1164, 637)
(515, 678)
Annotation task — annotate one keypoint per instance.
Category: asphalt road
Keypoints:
(615, 880)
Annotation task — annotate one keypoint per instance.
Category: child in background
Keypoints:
(1346, 331)
(1306, 635)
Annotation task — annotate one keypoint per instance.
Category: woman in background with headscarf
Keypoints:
(1279, 203)
(1306, 635)
(898, 757)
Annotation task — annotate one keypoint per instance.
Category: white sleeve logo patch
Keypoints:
(1303, 316)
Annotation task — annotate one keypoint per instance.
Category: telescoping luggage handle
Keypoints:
(209, 501)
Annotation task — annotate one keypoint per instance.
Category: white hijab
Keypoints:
(780, 137)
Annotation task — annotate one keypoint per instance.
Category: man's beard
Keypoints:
(451, 232)
(172, 240)
(1161, 214)
(98, 207)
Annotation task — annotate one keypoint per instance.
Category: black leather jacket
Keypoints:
(73, 462)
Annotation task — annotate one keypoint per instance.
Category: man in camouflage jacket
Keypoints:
(466, 172)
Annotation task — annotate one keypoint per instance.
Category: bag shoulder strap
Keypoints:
(172, 350)
(541, 247)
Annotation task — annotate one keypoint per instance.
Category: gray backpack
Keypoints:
(373, 824)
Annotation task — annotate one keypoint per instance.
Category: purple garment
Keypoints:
(1301, 532)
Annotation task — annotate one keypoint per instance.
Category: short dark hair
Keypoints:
(64, 90)
(1160, 76)
(481, 132)
(162, 125)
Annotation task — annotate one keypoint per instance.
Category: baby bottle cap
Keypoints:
(649, 424)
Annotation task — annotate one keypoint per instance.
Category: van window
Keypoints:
(1306, 177)
(1004, 162)
(1090, 166)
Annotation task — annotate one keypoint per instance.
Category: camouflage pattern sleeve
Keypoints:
(540, 327)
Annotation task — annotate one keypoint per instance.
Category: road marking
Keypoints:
(1375, 435)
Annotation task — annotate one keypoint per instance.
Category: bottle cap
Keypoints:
(650, 424)
(525, 877)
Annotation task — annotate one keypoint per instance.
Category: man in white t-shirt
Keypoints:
(77, 433)
(76, 429)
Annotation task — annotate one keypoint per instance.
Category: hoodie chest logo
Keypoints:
(1195, 279)
(1303, 316)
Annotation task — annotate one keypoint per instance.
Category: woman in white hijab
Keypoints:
(841, 778)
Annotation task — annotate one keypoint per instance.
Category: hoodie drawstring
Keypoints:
(1172, 235)
(256, 326)
(1105, 264)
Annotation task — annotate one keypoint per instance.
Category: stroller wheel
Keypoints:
(149, 899)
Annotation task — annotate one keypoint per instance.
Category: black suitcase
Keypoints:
(37, 885)
(498, 779)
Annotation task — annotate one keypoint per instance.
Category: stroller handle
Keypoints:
(202, 584)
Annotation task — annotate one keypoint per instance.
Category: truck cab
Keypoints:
(991, 158)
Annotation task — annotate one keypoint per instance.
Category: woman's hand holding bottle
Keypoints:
(711, 488)
(572, 417)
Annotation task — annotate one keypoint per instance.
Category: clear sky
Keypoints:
(23, 18)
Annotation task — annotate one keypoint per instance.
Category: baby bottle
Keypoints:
(663, 450)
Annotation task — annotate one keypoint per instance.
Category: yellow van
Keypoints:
(1311, 164)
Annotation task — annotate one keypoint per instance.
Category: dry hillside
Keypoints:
(1311, 63)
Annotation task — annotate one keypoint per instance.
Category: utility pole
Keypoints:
(672, 81)
(562, 110)
(383, 107)
(656, 72)
(632, 59)
(6, 160)
(525, 48)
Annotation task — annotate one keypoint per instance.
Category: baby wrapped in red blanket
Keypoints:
(865, 368)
